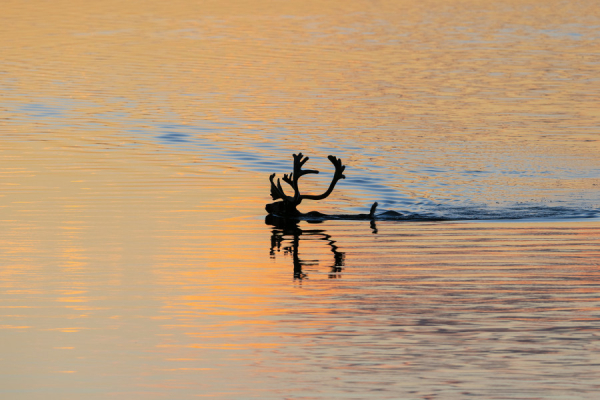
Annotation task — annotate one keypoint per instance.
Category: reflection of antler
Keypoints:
(288, 205)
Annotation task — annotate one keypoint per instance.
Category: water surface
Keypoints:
(136, 144)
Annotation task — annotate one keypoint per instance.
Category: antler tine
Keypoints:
(292, 180)
(339, 167)
(276, 190)
(339, 174)
(299, 161)
(288, 179)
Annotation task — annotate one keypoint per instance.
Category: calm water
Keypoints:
(136, 143)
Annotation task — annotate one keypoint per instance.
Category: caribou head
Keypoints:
(287, 206)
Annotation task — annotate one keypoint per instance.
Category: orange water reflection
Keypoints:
(160, 286)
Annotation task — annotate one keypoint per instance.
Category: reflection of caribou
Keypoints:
(285, 227)
(286, 208)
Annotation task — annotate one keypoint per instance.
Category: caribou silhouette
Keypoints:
(287, 206)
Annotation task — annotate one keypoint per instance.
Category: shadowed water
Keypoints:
(136, 143)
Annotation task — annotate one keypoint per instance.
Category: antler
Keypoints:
(276, 190)
(292, 179)
(288, 206)
(338, 174)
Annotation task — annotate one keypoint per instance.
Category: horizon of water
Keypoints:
(136, 142)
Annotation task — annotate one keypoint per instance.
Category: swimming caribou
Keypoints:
(286, 207)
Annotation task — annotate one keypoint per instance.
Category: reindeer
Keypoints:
(286, 208)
